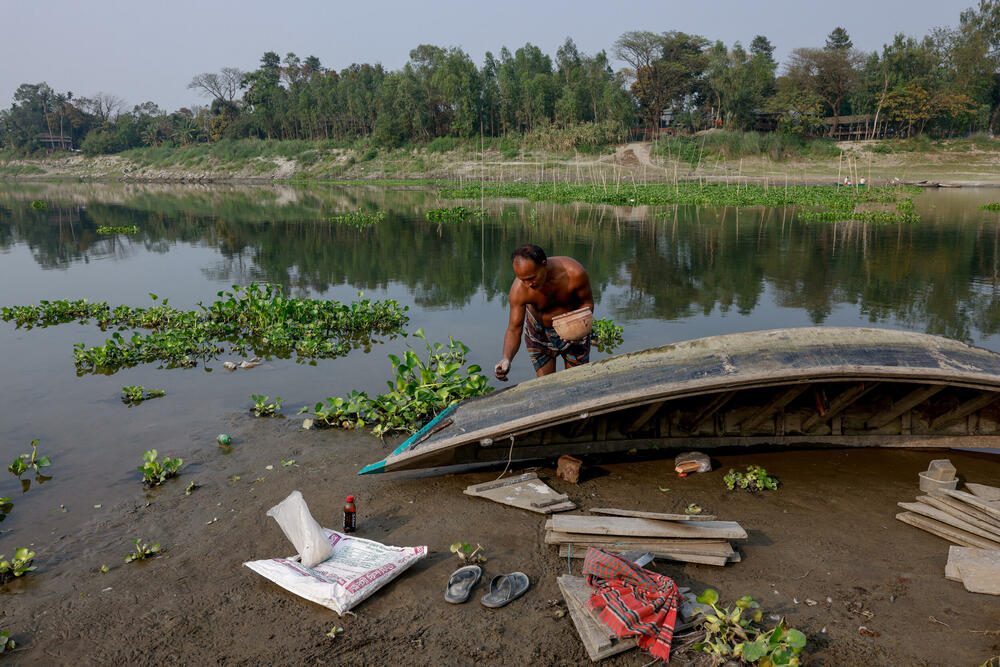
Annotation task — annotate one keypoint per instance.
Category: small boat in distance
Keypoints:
(829, 386)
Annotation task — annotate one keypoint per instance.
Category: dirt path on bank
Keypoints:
(827, 535)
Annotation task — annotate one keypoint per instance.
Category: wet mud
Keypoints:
(827, 535)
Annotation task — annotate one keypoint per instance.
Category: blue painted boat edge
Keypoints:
(378, 466)
(372, 467)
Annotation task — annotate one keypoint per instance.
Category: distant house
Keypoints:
(54, 141)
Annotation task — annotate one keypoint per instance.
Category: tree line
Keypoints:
(946, 83)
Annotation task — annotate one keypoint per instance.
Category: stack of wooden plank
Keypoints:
(598, 640)
(967, 519)
(691, 539)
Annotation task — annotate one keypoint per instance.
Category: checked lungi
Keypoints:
(633, 601)
(544, 345)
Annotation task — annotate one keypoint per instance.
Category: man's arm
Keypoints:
(512, 336)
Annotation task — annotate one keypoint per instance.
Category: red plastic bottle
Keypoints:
(350, 515)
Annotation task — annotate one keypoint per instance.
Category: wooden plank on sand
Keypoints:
(525, 492)
(964, 512)
(556, 537)
(993, 509)
(597, 639)
(659, 516)
(985, 493)
(620, 544)
(951, 520)
(977, 569)
(949, 533)
(595, 525)
(566, 552)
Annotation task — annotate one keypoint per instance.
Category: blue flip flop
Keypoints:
(461, 582)
(505, 588)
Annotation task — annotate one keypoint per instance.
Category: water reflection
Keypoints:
(939, 276)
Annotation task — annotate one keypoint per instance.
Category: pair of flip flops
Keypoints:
(503, 588)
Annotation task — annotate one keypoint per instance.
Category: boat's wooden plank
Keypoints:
(952, 520)
(565, 551)
(908, 402)
(595, 525)
(692, 422)
(963, 410)
(950, 533)
(644, 416)
(838, 405)
(778, 402)
(651, 515)
(961, 510)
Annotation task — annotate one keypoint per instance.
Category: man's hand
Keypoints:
(501, 369)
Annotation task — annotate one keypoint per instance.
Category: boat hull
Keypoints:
(833, 386)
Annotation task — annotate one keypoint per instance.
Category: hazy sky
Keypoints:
(142, 50)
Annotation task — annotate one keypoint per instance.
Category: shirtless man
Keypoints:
(543, 288)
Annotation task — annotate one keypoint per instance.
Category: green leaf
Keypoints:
(796, 639)
(754, 651)
(709, 596)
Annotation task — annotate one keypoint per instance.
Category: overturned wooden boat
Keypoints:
(833, 386)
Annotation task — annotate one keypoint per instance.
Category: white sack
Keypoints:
(301, 529)
(356, 569)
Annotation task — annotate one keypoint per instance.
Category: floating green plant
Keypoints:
(691, 194)
(26, 462)
(606, 335)
(39, 205)
(263, 406)
(18, 566)
(992, 206)
(257, 318)
(420, 390)
(124, 229)
(359, 218)
(904, 213)
(661, 194)
(454, 214)
(135, 394)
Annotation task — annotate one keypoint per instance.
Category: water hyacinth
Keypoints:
(256, 317)
(841, 200)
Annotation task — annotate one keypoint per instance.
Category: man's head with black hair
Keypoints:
(530, 265)
(530, 251)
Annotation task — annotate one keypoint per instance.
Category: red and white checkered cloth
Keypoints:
(633, 601)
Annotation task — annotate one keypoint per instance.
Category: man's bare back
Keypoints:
(543, 288)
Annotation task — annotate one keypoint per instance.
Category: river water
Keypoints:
(665, 275)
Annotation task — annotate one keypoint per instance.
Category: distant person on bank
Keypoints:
(544, 288)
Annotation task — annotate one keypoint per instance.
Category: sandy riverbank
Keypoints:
(829, 532)
(965, 166)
